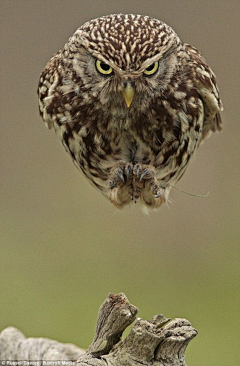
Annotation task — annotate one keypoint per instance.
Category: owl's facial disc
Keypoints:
(128, 93)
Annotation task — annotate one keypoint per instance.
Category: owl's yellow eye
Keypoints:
(103, 68)
(150, 70)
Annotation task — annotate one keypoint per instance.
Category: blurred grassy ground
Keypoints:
(64, 247)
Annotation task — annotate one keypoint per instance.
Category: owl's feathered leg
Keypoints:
(120, 174)
(120, 182)
(153, 195)
(129, 182)
(124, 185)
(120, 196)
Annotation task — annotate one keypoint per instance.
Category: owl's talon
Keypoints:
(156, 189)
(120, 175)
(158, 194)
(147, 174)
(112, 184)
(137, 169)
(128, 170)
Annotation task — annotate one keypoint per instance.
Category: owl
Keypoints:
(131, 103)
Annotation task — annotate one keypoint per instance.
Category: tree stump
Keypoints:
(158, 342)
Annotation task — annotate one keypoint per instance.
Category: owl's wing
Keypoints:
(205, 83)
(46, 89)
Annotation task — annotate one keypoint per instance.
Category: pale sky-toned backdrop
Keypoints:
(64, 247)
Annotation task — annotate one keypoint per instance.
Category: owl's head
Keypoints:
(124, 59)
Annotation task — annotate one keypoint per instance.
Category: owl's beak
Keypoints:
(128, 93)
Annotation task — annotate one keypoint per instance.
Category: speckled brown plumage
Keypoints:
(131, 103)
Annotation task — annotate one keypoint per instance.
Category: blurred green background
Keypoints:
(64, 247)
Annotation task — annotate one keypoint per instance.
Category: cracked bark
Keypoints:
(158, 342)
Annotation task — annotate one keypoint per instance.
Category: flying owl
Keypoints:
(131, 103)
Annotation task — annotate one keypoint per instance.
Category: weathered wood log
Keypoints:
(159, 342)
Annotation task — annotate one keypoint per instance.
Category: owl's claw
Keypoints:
(146, 174)
(112, 184)
(120, 175)
(158, 194)
(137, 169)
(148, 185)
(143, 171)
(133, 181)
(117, 176)
(128, 170)
(155, 188)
